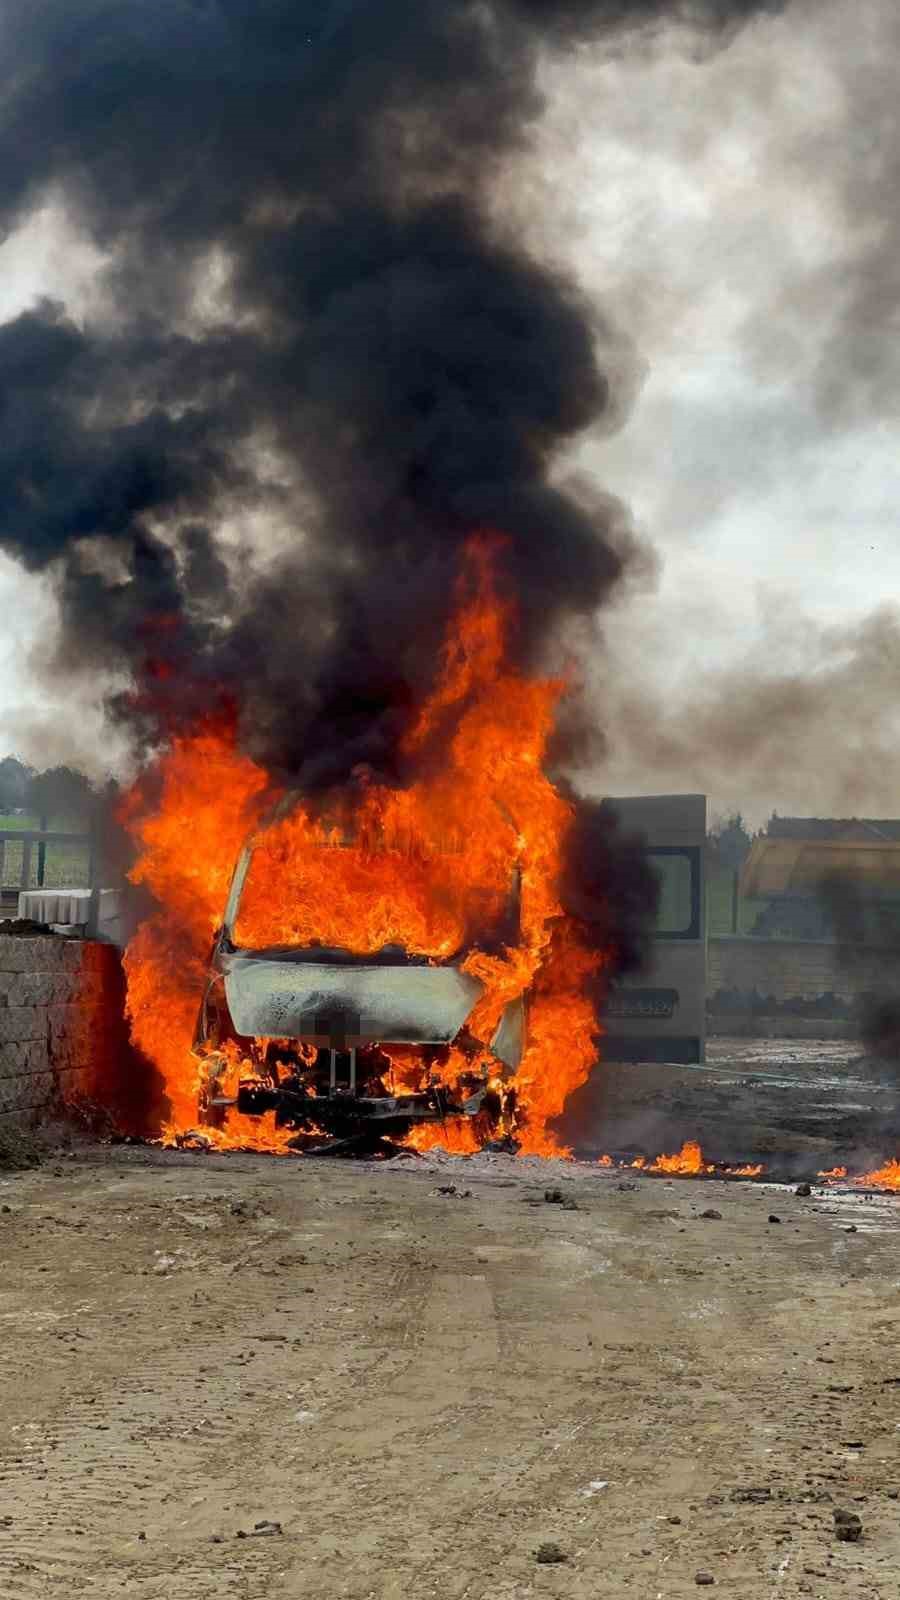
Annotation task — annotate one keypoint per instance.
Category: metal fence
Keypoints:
(38, 858)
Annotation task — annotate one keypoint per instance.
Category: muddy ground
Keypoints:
(420, 1372)
(796, 1105)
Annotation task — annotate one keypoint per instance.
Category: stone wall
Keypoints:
(62, 1030)
(800, 970)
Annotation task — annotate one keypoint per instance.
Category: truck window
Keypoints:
(678, 914)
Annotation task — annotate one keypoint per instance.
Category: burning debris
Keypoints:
(688, 1162)
(883, 1177)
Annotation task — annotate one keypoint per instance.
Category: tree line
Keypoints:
(55, 792)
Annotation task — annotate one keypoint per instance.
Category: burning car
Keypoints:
(391, 952)
(350, 1045)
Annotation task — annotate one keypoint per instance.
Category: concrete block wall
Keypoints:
(62, 1030)
(792, 969)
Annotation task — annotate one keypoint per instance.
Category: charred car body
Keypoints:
(307, 1032)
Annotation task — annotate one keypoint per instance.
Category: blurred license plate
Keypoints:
(642, 1003)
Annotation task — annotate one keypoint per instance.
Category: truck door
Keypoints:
(660, 1014)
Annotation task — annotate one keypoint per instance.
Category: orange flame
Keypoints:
(459, 1136)
(688, 1163)
(886, 1177)
(429, 867)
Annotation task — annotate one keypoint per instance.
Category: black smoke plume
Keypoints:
(608, 884)
(316, 362)
(867, 931)
(310, 313)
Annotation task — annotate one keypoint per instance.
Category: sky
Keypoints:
(733, 219)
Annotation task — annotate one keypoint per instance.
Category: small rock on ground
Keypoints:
(550, 1554)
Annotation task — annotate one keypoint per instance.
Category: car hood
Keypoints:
(356, 1003)
(318, 1001)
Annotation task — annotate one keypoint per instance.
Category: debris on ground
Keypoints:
(555, 1197)
(804, 1190)
(19, 1150)
(550, 1554)
(847, 1526)
(260, 1530)
(246, 1208)
(704, 1579)
(711, 1215)
(773, 1218)
(194, 1139)
(24, 928)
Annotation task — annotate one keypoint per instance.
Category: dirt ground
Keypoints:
(797, 1105)
(422, 1387)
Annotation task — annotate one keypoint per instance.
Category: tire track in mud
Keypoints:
(81, 1479)
(601, 1414)
(457, 1428)
(461, 1410)
(84, 1473)
(406, 1418)
(713, 1392)
(550, 1456)
(253, 1569)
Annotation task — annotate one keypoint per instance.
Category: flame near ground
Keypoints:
(688, 1162)
(887, 1176)
(425, 866)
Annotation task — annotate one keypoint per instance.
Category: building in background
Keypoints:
(823, 878)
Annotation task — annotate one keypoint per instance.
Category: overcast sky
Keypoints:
(737, 220)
